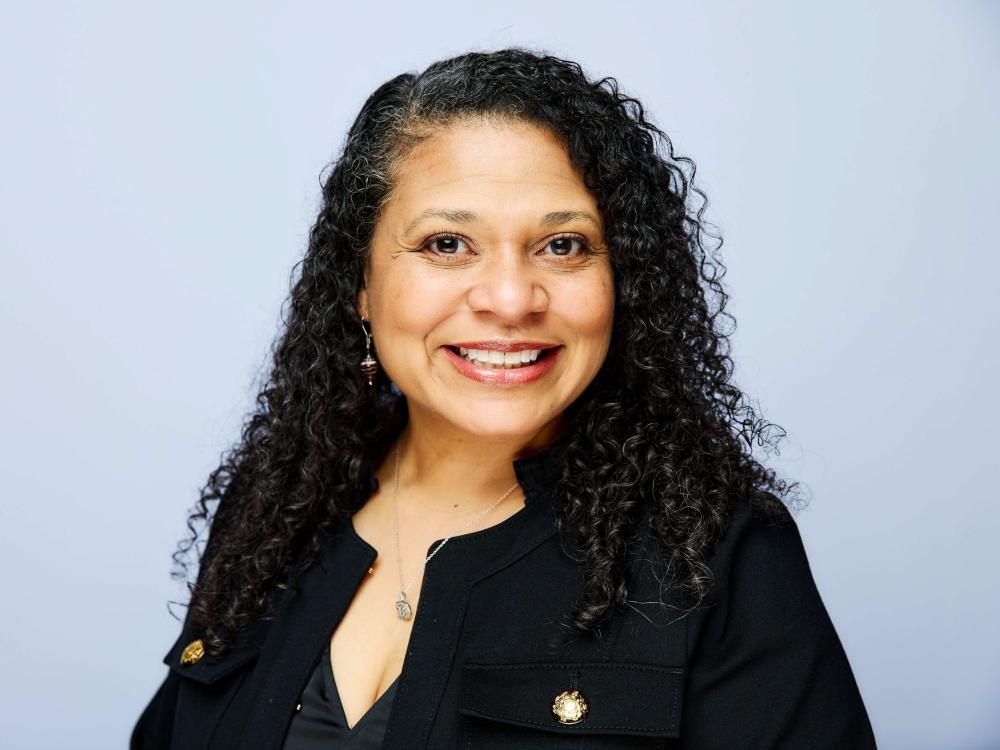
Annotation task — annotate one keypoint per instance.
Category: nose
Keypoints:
(508, 287)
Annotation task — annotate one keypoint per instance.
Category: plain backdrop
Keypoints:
(160, 171)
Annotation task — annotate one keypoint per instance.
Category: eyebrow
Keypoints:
(551, 219)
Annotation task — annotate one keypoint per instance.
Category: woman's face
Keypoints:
(490, 238)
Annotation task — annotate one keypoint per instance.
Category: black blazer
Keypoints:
(757, 665)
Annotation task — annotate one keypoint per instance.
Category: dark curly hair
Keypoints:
(661, 438)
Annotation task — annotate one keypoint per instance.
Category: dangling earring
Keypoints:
(369, 365)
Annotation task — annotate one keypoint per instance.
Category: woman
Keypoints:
(499, 491)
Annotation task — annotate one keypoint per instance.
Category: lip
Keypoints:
(503, 346)
(503, 375)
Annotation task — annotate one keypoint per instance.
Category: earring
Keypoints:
(369, 365)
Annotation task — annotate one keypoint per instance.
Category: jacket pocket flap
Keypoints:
(205, 671)
(620, 697)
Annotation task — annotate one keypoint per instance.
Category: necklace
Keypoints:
(403, 609)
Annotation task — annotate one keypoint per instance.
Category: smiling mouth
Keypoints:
(501, 360)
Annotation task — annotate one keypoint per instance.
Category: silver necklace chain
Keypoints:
(403, 608)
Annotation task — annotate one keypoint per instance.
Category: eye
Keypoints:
(447, 244)
(563, 245)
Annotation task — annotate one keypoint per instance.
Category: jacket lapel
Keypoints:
(301, 628)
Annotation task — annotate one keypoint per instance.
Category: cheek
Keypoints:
(590, 309)
(412, 307)
(404, 302)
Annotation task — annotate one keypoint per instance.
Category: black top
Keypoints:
(757, 665)
(320, 723)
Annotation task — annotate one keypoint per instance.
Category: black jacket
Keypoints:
(757, 665)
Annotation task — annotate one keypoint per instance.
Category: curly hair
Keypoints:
(661, 440)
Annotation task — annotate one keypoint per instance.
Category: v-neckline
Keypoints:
(331, 682)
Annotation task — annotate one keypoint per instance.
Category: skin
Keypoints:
(505, 277)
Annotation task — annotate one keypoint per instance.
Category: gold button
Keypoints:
(371, 571)
(570, 707)
(193, 652)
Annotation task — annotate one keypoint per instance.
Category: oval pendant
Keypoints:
(403, 610)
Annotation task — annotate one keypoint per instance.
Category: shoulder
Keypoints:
(761, 546)
(763, 587)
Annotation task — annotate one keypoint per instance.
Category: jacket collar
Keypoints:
(538, 474)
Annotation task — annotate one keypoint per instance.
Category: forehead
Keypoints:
(489, 165)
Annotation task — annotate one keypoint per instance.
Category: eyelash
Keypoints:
(585, 247)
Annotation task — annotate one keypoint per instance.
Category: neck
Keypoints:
(442, 474)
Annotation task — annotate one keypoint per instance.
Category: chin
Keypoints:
(499, 420)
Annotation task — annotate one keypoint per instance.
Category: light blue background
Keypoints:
(159, 175)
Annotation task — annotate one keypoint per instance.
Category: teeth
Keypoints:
(500, 359)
